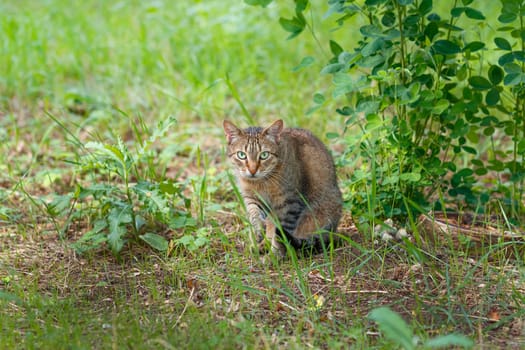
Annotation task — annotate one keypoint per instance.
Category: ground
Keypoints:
(320, 301)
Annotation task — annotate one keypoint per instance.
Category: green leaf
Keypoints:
(474, 46)
(159, 131)
(335, 48)
(344, 84)
(506, 59)
(393, 327)
(59, 205)
(300, 5)
(388, 19)
(440, 106)
(169, 187)
(512, 79)
(457, 11)
(449, 340)
(368, 106)
(470, 150)
(319, 98)
(425, 7)
(502, 43)
(262, 3)
(371, 31)
(495, 74)
(181, 221)
(405, 2)
(521, 147)
(155, 241)
(507, 17)
(492, 97)
(461, 73)
(305, 62)
(117, 218)
(334, 68)
(295, 25)
(410, 177)
(372, 47)
(512, 68)
(373, 121)
(201, 241)
(446, 47)
(371, 61)
(479, 83)
(519, 55)
(474, 14)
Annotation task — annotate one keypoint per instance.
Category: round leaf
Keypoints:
(474, 46)
(512, 68)
(502, 43)
(389, 19)
(506, 58)
(496, 74)
(507, 17)
(513, 79)
(519, 55)
(479, 83)
(457, 11)
(492, 97)
(425, 7)
(319, 98)
(371, 31)
(446, 47)
(474, 14)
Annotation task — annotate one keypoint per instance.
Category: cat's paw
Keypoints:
(271, 258)
(278, 250)
(263, 247)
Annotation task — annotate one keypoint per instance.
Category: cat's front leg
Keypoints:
(277, 246)
(256, 217)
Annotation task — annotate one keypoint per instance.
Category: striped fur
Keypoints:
(288, 182)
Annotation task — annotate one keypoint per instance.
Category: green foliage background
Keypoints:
(434, 104)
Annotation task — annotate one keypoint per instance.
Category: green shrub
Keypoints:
(432, 115)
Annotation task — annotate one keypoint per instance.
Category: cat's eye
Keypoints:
(264, 155)
(241, 155)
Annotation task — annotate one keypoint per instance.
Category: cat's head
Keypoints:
(254, 151)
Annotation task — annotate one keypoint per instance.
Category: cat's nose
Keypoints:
(252, 169)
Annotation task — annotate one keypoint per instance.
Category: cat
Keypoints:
(288, 182)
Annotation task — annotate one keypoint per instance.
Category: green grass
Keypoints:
(97, 71)
(163, 57)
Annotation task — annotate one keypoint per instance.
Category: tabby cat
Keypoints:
(289, 186)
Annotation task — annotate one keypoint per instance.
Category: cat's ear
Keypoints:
(274, 130)
(231, 131)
